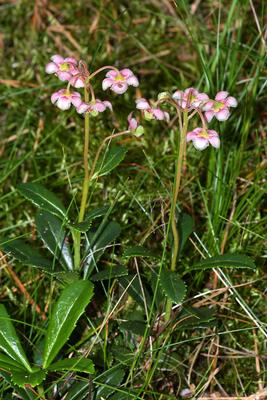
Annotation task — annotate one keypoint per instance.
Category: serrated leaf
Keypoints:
(138, 251)
(26, 254)
(172, 285)
(43, 198)
(90, 216)
(9, 341)
(23, 392)
(66, 312)
(28, 378)
(112, 158)
(185, 228)
(97, 244)
(54, 236)
(73, 364)
(225, 261)
(110, 273)
(112, 377)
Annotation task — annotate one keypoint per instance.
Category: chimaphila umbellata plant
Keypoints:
(54, 224)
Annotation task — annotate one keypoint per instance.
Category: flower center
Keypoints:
(119, 77)
(203, 134)
(218, 105)
(67, 93)
(64, 67)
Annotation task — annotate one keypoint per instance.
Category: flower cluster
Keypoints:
(77, 75)
(192, 100)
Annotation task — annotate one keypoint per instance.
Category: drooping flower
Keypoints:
(151, 112)
(64, 98)
(202, 137)
(134, 126)
(219, 108)
(94, 107)
(119, 81)
(77, 81)
(190, 98)
(64, 68)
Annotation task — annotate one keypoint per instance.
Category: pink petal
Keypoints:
(51, 68)
(208, 106)
(57, 59)
(64, 103)
(55, 96)
(71, 60)
(223, 115)
(191, 135)
(202, 96)
(231, 102)
(133, 81)
(108, 104)
(214, 141)
(76, 100)
(132, 123)
(177, 95)
(142, 104)
(209, 115)
(158, 114)
(126, 73)
(119, 87)
(200, 143)
(221, 95)
(77, 82)
(64, 76)
(82, 108)
(98, 106)
(166, 116)
(107, 83)
(111, 74)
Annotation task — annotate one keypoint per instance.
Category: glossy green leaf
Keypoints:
(185, 228)
(97, 244)
(9, 341)
(90, 216)
(25, 394)
(172, 285)
(43, 198)
(9, 364)
(112, 158)
(138, 251)
(110, 273)
(22, 378)
(26, 254)
(112, 377)
(54, 236)
(66, 312)
(73, 364)
(225, 261)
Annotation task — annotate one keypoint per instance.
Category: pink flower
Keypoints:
(94, 107)
(201, 138)
(134, 126)
(119, 81)
(77, 81)
(64, 68)
(219, 108)
(190, 98)
(151, 112)
(64, 98)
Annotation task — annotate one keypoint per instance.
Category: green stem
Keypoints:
(176, 187)
(85, 189)
(41, 392)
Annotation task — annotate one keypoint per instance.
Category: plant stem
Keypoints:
(176, 187)
(41, 392)
(77, 235)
